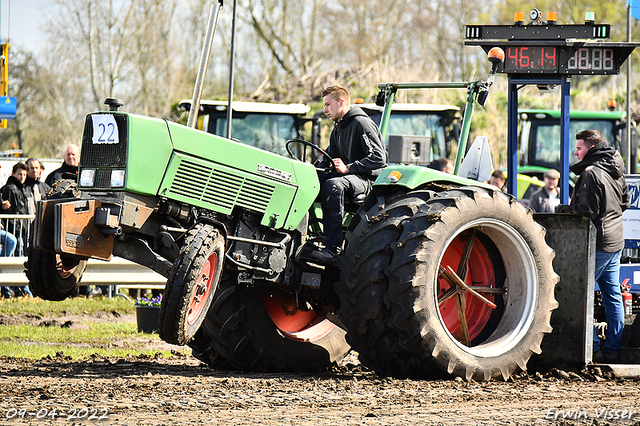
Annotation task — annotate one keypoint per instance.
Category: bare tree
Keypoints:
(98, 49)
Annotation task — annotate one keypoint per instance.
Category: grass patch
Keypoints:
(108, 339)
(99, 334)
(73, 306)
(17, 350)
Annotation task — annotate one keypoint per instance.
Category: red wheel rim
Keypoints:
(292, 322)
(202, 289)
(480, 274)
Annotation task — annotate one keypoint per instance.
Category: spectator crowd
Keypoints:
(19, 196)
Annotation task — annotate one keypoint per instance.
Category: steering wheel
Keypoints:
(290, 142)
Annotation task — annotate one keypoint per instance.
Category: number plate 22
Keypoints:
(105, 129)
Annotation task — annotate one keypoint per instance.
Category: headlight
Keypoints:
(117, 178)
(87, 177)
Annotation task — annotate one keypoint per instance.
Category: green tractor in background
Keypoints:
(440, 275)
(262, 125)
(539, 137)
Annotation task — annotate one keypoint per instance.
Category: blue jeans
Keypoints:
(8, 242)
(608, 279)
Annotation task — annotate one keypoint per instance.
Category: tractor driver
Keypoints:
(358, 152)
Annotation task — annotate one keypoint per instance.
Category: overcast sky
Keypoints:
(21, 20)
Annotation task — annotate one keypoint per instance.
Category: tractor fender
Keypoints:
(413, 177)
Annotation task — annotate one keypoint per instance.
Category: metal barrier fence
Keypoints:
(14, 234)
(116, 274)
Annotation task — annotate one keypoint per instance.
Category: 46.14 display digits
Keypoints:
(530, 59)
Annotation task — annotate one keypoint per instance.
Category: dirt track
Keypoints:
(181, 391)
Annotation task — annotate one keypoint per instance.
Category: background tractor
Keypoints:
(539, 137)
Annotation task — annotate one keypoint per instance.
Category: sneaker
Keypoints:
(325, 255)
(606, 357)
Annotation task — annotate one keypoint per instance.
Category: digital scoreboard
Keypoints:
(531, 59)
(552, 49)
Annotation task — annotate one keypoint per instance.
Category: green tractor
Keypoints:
(440, 274)
(539, 137)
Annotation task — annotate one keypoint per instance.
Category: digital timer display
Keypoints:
(537, 59)
(590, 61)
(531, 59)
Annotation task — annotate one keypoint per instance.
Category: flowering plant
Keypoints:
(154, 301)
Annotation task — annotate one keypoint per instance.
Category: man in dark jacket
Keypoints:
(601, 194)
(545, 199)
(70, 165)
(13, 198)
(34, 188)
(15, 202)
(358, 153)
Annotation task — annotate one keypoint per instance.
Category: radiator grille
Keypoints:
(220, 188)
(103, 178)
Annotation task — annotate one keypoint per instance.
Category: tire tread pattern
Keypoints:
(384, 303)
(200, 243)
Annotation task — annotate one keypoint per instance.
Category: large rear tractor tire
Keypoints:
(192, 282)
(202, 349)
(51, 276)
(261, 329)
(456, 283)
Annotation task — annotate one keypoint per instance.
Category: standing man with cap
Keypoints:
(547, 198)
(601, 194)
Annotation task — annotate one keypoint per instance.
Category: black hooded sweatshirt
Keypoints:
(357, 141)
(601, 194)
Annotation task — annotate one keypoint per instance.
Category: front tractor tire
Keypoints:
(455, 283)
(51, 276)
(192, 282)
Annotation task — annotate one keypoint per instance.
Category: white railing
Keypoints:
(18, 226)
(116, 274)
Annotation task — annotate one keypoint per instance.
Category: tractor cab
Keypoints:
(262, 125)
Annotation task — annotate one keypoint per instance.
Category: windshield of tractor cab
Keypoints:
(261, 130)
(417, 124)
(544, 142)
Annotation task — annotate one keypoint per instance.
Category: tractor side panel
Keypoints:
(284, 188)
(149, 155)
(216, 187)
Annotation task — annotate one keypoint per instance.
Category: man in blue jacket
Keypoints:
(357, 150)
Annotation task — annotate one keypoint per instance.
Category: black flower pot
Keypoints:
(147, 318)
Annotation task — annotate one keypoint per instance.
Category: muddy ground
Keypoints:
(181, 391)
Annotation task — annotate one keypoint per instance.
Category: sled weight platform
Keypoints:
(573, 238)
